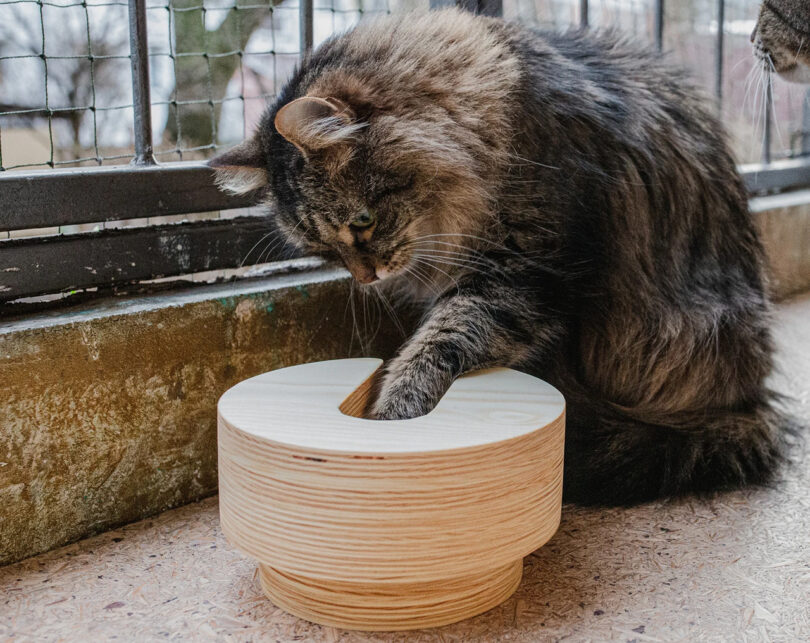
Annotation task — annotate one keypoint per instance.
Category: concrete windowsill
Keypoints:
(109, 411)
(733, 568)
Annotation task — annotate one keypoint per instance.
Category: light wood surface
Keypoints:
(389, 525)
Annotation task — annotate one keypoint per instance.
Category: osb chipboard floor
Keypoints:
(733, 568)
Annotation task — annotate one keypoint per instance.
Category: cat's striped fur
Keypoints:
(561, 204)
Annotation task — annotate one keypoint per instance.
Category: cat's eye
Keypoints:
(365, 220)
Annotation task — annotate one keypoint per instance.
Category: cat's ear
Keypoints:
(312, 124)
(241, 169)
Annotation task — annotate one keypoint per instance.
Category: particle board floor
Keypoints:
(734, 568)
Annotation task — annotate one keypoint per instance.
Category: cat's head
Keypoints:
(782, 38)
(352, 177)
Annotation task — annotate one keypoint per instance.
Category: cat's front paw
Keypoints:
(398, 404)
(408, 388)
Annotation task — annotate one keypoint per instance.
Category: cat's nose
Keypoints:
(362, 271)
(366, 276)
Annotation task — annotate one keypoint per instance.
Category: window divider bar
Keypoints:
(767, 119)
(48, 198)
(141, 95)
(484, 7)
(583, 13)
(31, 267)
(805, 134)
(658, 25)
(306, 21)
(718, 76)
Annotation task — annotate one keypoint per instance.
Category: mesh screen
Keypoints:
(66, 89)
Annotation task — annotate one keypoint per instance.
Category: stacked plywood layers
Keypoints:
(389, 525)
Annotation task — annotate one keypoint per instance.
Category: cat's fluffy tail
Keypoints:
(613, 458)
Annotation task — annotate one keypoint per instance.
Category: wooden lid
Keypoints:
(299, 407)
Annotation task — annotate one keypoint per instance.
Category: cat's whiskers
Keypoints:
(462, 261)
(354, 317)
(738, 63)
(460, 251)
(270, 248)
(459, 234)
(428, 240)
(364, 319)
(356, 321)
(280, 242)
(494, 244)
(472, 251)
(770, 73)
(749, 79)
(452, 262)
(242, 263)
(426, 262)
(530, 162)
(757, 111)
(799, 51)
(416, 272)
(762, 94)
(368, 322)
(427, 258)
(770, 98)
(390, 309)
(473, 255)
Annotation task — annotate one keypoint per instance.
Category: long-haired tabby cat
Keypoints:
(561, 204)
(782, 38)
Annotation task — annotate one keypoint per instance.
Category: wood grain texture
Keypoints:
(389, 525)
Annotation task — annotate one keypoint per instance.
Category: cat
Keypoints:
(781, 38)
(563, 204)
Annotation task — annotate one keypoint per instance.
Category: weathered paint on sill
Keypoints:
(112, 418)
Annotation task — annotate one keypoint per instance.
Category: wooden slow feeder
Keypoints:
(393, 525)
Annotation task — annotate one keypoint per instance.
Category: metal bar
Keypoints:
(490, 8)
(92, 195)
(658, 25)
(776, 176)
(766, 133)
(49, 198)
(806, 124)
(484, 7)
(141, 97)
(306, 21)
(583, 13)
(31, 267)
(718, 74)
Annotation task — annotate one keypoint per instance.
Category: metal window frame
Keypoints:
(47, 198)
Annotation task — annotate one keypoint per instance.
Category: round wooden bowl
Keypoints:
(394, 525)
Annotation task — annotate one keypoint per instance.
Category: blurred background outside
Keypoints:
(66, 89)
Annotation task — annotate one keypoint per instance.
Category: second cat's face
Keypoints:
(780, 39)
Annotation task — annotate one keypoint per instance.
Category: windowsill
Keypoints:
(109, 411)
(130, 304)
